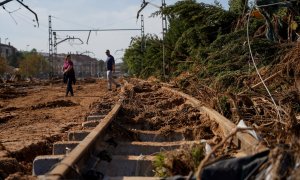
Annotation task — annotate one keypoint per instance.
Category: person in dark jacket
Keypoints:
(110, 65)
(69, 75)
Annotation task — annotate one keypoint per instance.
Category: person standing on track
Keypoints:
(69, 75)
(110, 64)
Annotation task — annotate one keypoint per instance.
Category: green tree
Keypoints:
(15, 59)
(193, 27)
(33, 64)
(144, 62)
(238, 6)
(204, 39)
(133, 57)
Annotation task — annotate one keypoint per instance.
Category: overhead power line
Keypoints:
(53, 44)
(24, 5)
(88, 30)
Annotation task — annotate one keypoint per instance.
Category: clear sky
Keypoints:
(18, 28)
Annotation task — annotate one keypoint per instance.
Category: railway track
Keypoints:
(122, 144)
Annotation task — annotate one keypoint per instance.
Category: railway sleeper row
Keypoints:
(96, 153)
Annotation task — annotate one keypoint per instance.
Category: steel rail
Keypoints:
(77, 157)
(68, 164)
(248, 143)
(245, 141)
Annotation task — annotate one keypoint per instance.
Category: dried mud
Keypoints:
(35, 115)
(149, 107)
(146, 107)
(11, 92)
(54, 104)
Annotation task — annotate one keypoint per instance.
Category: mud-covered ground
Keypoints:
(35, 115)
(147, 106)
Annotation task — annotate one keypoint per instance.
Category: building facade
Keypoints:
(7, 50)
(84, 66)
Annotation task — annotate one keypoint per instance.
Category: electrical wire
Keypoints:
(257, 71)
(10, 14)
(90, 27)
(122, 22)
(75, 23)
(31, 20)
(71, 22)
(76, 49)
(26, 18)
(14, 10)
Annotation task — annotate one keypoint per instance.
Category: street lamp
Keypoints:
(5, 40)
(27, 47)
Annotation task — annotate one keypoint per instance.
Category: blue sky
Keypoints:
(18, 28)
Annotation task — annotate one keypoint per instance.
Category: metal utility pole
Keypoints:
(143, 42)
(79, 30)
(51, 44)
(55, 43)
(55, 54)
(164, 26)
(164, 31)
(50, 47)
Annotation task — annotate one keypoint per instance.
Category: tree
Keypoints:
(194, 26)
(133, 57)
(201, 23)
(203, 39)
(144, 63)
(3, 65)
(238, 6)
(33, 64)
(14, 60)
(101, 68)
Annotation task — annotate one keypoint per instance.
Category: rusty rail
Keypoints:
(68, 164)
(247, 142)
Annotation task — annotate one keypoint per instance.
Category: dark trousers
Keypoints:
(69, 87)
